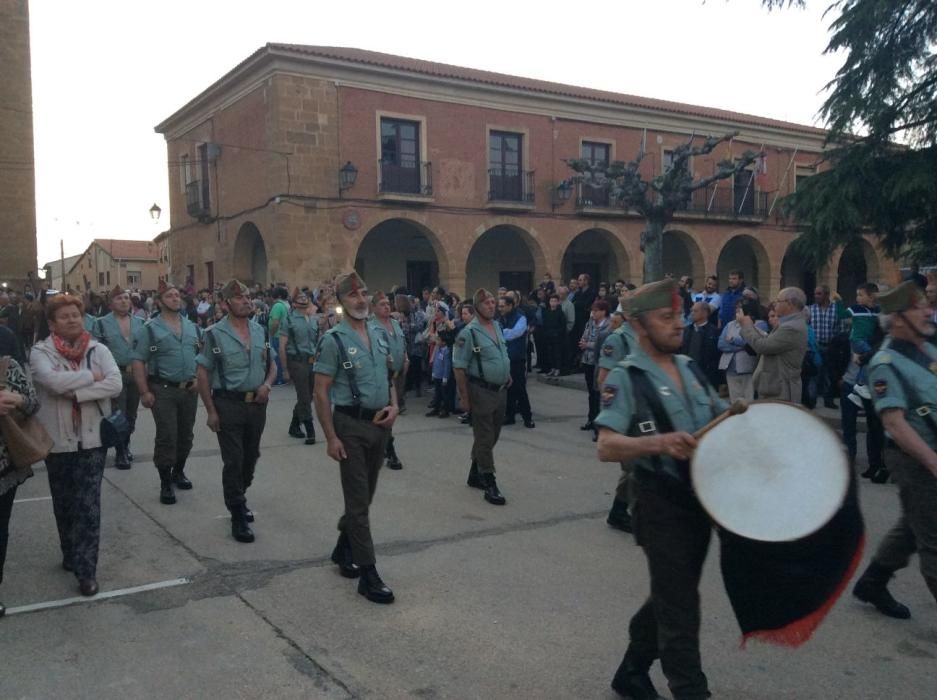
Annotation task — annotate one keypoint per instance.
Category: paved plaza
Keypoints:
(530, 600)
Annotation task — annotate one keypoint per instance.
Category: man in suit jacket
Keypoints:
(700, 340)
(781, 352)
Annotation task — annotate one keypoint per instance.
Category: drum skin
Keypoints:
(774, 473)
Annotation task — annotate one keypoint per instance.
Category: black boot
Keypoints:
(310, 432)
(872, 587)
(632, 679)
(393, 461)
(618, 516)
(372, 587)
(294, 430)
(932, 585)
(341, 555)
(492, 494)
(167, 494)
(474, 478)
(881, 475)
(121, 459)
(240, 530)
(180, 480)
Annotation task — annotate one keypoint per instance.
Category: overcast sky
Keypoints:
(105, 72)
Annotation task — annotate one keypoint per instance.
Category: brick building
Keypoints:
(17, 171)
(108, 262)
(456, 174)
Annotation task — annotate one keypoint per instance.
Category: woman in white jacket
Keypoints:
(76, 377)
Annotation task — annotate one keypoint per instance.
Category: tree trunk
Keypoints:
(652, 243)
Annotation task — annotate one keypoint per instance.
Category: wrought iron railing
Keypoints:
(510, 185)
(406, 179)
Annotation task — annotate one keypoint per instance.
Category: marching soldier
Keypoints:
(651, 404)
(164, 371)
(903, 377)
(617, 347)
(397, 363)
(351, 371)
(483, 373)
(235, 376)
(117, 331)
(299, 333)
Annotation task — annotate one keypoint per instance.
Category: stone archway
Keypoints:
(250, 256)
(598, 253)
(682, 256)
(503, 256)
(858, 264)
(745, 253)
(796, 271)
(399, 252)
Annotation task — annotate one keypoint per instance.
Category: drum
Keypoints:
(774, 473)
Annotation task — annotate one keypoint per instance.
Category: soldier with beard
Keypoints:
(351, 375)
(235, 375)
(164, 351)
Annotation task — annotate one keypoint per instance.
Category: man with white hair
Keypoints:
(782, 350)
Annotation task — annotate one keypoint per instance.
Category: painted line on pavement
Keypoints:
(119, 593)
(33, 500)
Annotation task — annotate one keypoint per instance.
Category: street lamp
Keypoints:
(347, 175)
(155, 211)
(561, 193)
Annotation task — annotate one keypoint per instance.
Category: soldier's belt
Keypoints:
(153, 379)
(358, 412)
(485, 385)
(126, 370)
(245, 396)
(302, 357)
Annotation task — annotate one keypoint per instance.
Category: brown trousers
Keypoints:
(364, 445)
(488, 409)
(303, 381)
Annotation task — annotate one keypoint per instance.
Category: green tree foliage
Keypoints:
(657, 199)
(881, 113)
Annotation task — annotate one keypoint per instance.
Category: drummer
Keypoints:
(652, 402)
(903, 378)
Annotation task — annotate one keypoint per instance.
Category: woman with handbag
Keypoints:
(17, 395)
(76, 379)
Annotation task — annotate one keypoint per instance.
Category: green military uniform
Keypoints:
(170, 375)
(639, 399)
(903, 376)
(617, 347)
(89, 322)
(396, 362)
(360, 389)
(301, 334)
(487, 367)
(108, 332)
(236, 372)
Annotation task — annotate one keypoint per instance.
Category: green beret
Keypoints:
(905, 296)
(655, 295)
(349, 282)
(480, 295)
(233, 289)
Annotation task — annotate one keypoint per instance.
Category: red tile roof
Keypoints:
(129, 250)
(443, 70)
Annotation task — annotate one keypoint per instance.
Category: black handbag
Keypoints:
(115, 428)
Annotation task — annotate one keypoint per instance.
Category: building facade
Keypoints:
(108, 262)
(17, 171)
(303, 161)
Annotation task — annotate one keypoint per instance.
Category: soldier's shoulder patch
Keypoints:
(608, 350)
(609, 392)
(460, 341)
(880, 386)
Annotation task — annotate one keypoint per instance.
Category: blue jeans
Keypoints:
(874, 438)
(275, 349)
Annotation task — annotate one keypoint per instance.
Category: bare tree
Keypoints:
(657, 199)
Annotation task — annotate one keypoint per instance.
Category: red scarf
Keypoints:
(73, 352)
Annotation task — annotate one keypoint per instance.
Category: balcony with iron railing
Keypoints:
(196, 198)
(721, 200)
(510, 189)
(405, 182)
(596, 201)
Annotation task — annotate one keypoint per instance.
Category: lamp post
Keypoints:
(155, 211)
(347, 175)
(561, 193)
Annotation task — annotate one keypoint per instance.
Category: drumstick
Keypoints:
(737, 408)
